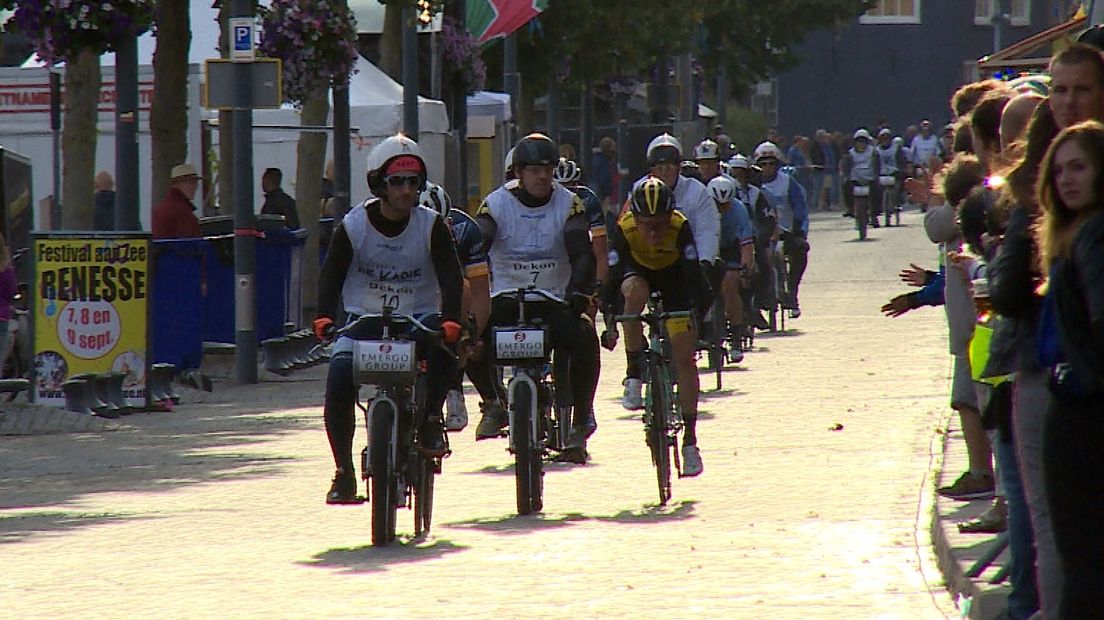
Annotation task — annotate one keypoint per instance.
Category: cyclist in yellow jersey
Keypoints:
(652, 249)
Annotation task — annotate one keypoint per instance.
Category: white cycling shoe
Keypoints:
(631, 399)
(691, 461)
(456, 418)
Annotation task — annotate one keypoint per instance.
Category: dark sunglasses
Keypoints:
(396, 180)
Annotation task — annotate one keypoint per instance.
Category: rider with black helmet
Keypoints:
(536, 234)
(652, 249)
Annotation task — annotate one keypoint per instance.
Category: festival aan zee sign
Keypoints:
(91, 303)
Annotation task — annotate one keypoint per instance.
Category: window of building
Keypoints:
(893, 12)
(1019, 12)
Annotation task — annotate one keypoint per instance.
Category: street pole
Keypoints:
(460, 116)
(662, 112)
(126, 134)
(245, 243)
(552, 108)
(55, 128)
(511, 82)
(586, 133)
(410, 73)
(341, 156)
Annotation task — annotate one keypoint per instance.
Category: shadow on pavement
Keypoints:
(150, 452)
(790, 331)
(18, 526)
(508, 468)
(367, 559)
(517, 524)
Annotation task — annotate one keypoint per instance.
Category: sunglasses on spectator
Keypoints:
(396, 180)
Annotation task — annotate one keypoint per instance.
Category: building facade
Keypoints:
(901, 62)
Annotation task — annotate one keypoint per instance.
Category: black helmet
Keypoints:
(652, 197)
(535, 149)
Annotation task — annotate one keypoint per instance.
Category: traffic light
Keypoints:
(425, 12)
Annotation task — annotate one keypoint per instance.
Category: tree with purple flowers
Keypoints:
(75, 33)
(316, 43)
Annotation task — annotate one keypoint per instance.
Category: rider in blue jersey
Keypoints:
(476, 301)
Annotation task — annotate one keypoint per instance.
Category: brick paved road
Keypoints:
(216, 509)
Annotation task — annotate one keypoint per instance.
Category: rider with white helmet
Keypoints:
(858, 166)
(477, 300)
(664, 156)
(569, 174)
(764, 221)
(889, 162)
(792, 210)
(737, 248)
(388, 252)
(708, 156)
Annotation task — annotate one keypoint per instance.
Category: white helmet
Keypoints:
(884, 131)
(726, 168)
(566, 172)
(721, 189)
(862, 134)
(508, 164)
(898, 141)
(739, 161)
(665, 140)
(767, 150)
(435, 197)
(707, 149)
(381, 155)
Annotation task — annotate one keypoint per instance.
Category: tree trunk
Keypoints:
(78, 139)
(169, 109)
(308, 193)
(390, 42)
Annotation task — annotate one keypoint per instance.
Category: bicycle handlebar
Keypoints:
(652, 318)
(524, 293)
(339, 331)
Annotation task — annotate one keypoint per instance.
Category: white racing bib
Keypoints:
(394, 272)
(529, 248)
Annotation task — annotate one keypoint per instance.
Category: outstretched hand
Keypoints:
(915, 275)
(897, 306)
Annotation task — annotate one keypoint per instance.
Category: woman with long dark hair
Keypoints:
(1071, 243)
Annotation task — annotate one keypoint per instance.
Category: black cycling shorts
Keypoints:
(668, 281)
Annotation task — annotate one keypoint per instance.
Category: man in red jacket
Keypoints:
(174, 217)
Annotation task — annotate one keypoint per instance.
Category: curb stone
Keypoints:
(957, 553)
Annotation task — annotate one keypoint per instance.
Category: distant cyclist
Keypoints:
(737, 254)
(569, 174)
(764, 221)
(793, 218)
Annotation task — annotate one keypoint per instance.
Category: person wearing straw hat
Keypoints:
(174, 217)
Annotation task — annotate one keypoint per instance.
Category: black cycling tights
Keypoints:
(341, 396)
(569, 334)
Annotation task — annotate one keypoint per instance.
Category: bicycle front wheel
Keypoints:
(862, 216)
(528, 467)
(383, 477)
(423, 495)
(657, 408)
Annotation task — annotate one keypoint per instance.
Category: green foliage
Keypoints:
(745, 127)
(583, 40)
(754, 40)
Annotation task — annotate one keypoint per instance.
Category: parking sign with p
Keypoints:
(241, 33)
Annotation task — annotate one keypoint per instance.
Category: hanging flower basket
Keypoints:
(59, 29)
(462, 51)
(316, 42)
